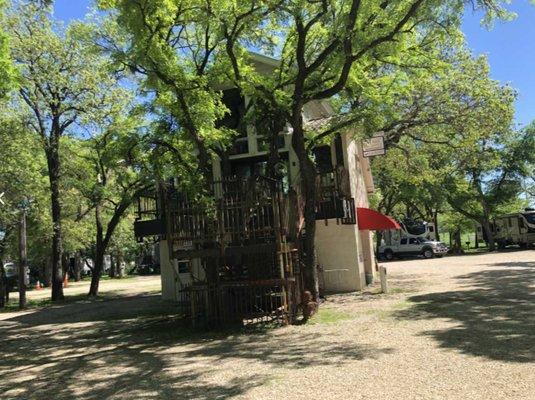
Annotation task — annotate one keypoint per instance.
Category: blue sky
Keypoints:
(510, 47)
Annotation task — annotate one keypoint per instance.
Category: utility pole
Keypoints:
(23, 258)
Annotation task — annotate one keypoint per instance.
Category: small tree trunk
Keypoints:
(435, 221)
(99, 255)
(378, 240)
(457, 241)
(48, 272)
(3, 285)
(113, 270)
(23, 260)
(119, 265)
(121, 269)
(77, 267)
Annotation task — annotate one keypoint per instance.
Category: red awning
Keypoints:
(371, 220)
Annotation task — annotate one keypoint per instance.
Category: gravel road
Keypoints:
(451, 328)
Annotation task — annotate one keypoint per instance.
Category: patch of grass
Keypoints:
(329, 316)
(107, 278)
(13, 304)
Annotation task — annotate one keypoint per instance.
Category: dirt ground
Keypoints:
(451, 328)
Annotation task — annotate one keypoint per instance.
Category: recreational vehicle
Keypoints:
(512, 229)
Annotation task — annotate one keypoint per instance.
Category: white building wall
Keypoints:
(346, 254)
(337, 250)
(168, 275)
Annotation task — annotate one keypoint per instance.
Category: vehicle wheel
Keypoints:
(389, 254)
(428, 253)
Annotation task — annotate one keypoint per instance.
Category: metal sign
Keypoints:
(2, 201)
(374, 146)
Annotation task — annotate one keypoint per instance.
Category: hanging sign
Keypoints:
(375, 146)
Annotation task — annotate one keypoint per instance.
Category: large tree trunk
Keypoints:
(54, 177)
(308, 190)
(490, 235)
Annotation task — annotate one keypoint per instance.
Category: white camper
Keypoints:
(410, 229)
(515, 229)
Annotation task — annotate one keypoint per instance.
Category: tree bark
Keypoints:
(53, 162)
(378, 240)
(46, 272)
(99, 255)
(4, 296)
(112, 270)
(23, 260)
(490, 235)
(102, 242)
(308, 190)
(3, 284)
(456, 246)
(119, 270)
(77, 267)
(435, 221)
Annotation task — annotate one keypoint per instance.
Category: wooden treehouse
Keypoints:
(234, 260)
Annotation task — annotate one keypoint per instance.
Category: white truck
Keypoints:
(410, 229)
(513, 229)
(413, 246)
(415, 238)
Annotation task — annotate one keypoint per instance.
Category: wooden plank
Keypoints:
(250, 249)
(199, 253)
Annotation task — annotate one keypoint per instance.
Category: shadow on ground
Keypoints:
(494, 312)
(138, 348)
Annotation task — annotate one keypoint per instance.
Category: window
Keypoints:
(323, 159)
(413, 241)
(233, 119)
(339, 150)
(183, 267)
(403, 241)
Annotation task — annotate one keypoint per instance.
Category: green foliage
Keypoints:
(329, 316)
(7, 69)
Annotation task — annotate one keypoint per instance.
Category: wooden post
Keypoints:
(384, 283)
(23, 260)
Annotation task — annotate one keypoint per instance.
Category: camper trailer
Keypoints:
(410, 229)
(512, 229)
